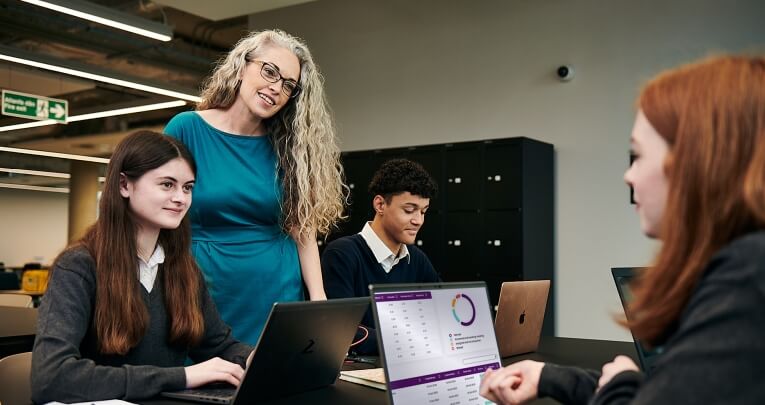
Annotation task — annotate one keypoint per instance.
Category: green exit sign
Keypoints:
(34, 107)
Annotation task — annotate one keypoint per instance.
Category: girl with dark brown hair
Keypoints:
(699, 182)
(126, 305)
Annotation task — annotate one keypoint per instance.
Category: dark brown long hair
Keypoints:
(120, 317)
(712, 115)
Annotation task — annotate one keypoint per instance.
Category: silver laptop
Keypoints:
(436, 341)
(301, 348)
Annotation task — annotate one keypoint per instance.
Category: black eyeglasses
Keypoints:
(270, 72)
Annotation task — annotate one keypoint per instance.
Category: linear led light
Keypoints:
(88, 72)
(54, 154)
(107, 16)
(35, 188)
(99, 114)
(57, 175)
(35, 173)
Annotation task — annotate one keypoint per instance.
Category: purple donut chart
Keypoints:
(454, 309)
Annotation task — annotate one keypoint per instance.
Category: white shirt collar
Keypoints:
(147, 270)
(382, 253)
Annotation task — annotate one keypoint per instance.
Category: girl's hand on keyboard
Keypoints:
(213, 370)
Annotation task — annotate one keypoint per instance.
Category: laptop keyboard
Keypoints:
(212, 392)
(216, 393)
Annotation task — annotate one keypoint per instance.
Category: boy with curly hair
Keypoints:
(383, 252)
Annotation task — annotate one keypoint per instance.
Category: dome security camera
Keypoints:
(565, 73)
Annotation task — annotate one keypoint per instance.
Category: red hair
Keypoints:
(712, 115)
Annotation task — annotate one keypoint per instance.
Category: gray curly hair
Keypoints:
(302, 133)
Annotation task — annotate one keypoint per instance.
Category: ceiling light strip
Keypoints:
(54, 154)
(101, 78)
(35, 173)
(99, 114)
(106, 16)
(127, 110)
(35, 188)
(31, 124)
(57, 175)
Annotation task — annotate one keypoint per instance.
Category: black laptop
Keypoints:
(623, 276)
(301, 348)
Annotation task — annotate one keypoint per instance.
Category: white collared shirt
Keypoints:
(147, 271)
(383, 255)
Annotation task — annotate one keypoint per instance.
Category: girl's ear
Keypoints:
(124, 186)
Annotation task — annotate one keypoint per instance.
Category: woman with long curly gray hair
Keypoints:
(269, 177)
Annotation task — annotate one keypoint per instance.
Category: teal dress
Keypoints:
(248, 261)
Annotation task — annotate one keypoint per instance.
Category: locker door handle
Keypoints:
(419, 242)
(455, 242)
(351, 186)
(495, 242)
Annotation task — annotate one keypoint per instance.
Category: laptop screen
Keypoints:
(437, 340)
(623, 276)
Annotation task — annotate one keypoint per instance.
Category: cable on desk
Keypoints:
(366, 335)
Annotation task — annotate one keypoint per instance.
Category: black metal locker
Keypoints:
(463, 177)
(462, 232)
(503, 245)
(503, 175)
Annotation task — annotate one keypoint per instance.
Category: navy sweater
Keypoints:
(349, 267)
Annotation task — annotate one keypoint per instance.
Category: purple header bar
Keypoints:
(405, 296)
(446, 375)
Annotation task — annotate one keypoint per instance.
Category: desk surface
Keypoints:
(17, 330)
(567, 351)
(23, 292)
(17, 321)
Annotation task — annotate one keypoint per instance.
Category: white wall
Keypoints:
(402, 72)
(33, 226)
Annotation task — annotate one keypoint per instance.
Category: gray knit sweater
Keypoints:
(67, 366)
